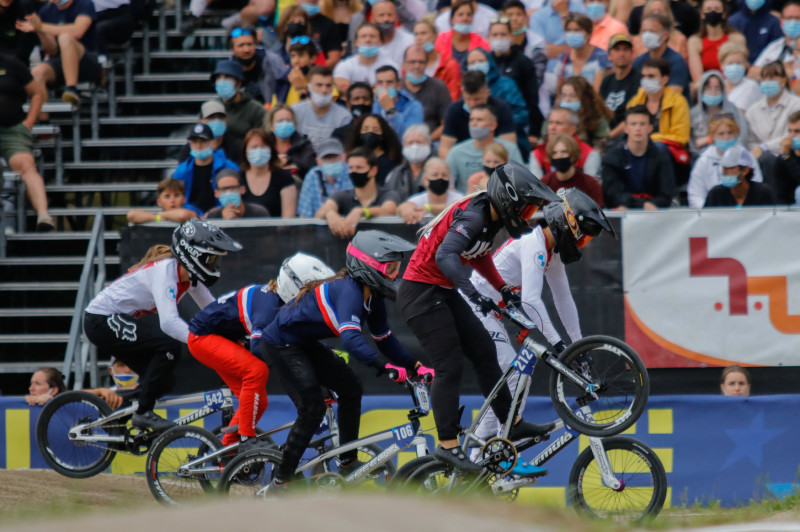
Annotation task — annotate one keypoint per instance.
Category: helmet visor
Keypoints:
(582, 241)
(212, 262)
(528, 211)
(392, 269)
(389, 269)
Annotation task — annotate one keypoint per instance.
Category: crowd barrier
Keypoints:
(714, 448)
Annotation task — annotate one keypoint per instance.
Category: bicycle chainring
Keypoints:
(330, 481)
(499, 456)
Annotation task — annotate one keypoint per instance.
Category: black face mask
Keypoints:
(295, 29)
(360, 109)
(371, 140)
(561, 164)
(359, 179)
(713, 18)
(438, 186)
(387, 29)
(488, 169)
(305, 70)
(245, 62)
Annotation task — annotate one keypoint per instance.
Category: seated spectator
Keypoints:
(359, 99)
(435, 196)
(636, 174)
(482, 13)
(395, 38)
(677, 39)
(619, 87)
(252, 11)
(783, 48)
(229, 194)
(214, 115)
(329, 176)
(714, 32)
(406, 179)
(124, 378)
(712, 101)
(466, 157)
(548, 22)
(323, 31)
(198, 171)
(456, 42)
(655, 29)
(343, 210)
(294, 26)
(343, 15)
(317, 117)
(582, 59)
(563, 152)
(493, 156)
(399, 108)
(787, 170)
(243, 112)
(363, 65)
(578, 95)
(295, 153)
(67, 34)
(444, 69)
(115, 23)
(430, 92)
(295, 87)
(474, 91)
(525, 40)
(374, 133)
(737, 189)
(769, 116)
(742, 91)
(170, 196)
(404, 14)
(706, 172)
(13, 41)
(758, 25)
(46, 383)
(683, 15)
(564, 121)
(735, 381)
(604, 26)
(16, 141)
(266, 183)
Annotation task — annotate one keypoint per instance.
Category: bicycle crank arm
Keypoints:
(77, 437)
(505, 485)
(184, 471)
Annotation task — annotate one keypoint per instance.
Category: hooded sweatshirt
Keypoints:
(700, 117)
(759, 27)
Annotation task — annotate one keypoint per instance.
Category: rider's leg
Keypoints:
(490, 426)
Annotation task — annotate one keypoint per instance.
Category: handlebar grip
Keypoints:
(426, 378)
(393, 374)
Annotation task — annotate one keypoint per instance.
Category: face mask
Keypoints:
(572, 106)
(359, 179)
(438, 186)
(311, 9)
(416, 80)
(258, 156)
(284, 129)
(428, 47)
(480, 67)
(500, 46)
(61, 2)
(488, 169)
(575, 39)
(416, 153)
(371, 140)
(595, 10)
(729, 181)
(734, 72)
(245, 62)
(295, 29)
(321, 100)
(332, 169)
(466, 107)
(202, 155)
(651, 40)
(125, 380)
(713, 18)
(754, 5)
(724, 145)
(770, 87)
(462, 28)
(225, 88)
(391, 91)
(361, 110)
(651, 86)
(796, 143)
(230, 198)
(387, 29)
(217, 128)
(368, 51)
(479, 133)
(562, 164)
(520, 31)
(791, 28)
(712, 100)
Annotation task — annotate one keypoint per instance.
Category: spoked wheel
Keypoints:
(432, 476)
(643, 483)
(246, 474)
(381, 475)
(405, 471)
(87, 454)
(174, 448)
(621, 380)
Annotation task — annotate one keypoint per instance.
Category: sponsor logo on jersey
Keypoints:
(540, 259)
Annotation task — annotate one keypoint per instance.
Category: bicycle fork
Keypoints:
(600, 456)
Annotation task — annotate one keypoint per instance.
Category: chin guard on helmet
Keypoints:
(574, 222)
(199, 247)
(516, 194)
(372, 258)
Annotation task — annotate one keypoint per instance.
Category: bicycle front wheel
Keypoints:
(623, 386)
(85, 455)
(643, 481)
(174, 448)
(246, 474)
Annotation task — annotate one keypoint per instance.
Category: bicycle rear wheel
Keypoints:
(622, 380)
(171, 450)
(365, 453)
(75, 458)
(248, 473)
(644, 482)
(407, 469)
(431, 476)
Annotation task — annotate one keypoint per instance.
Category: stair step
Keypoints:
(62, 235)
(129, 142)
(191, 54)
(174, 76)
(148, 120)
(209, 32)
(52, 261)
(35, 338)
(105, 187)
(43, 312)
(112, 165)
(51, 286)
(189, 97)
(87, 211)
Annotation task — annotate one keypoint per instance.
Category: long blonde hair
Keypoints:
(157, 252)
(439, 217)
(311, 285)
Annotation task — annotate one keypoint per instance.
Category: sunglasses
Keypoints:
(303, 39)
(239, 32)
(389, 269)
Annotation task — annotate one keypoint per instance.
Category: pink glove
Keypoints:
(423, 370)
(402, 374)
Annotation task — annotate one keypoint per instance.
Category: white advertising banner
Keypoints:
(713, 287)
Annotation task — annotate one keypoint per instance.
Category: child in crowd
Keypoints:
(171, 195)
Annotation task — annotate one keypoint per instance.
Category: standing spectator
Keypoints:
(619, 87)
(229, 194)
(198, 171)
(67, 33)
(394, 104)
(317, 117)
(563, 152)
(712, 102)
(46, 383)
(406, 179)
(786, 182)
(435, 196)
(13, 41)
(564, 121)
(267, 185)
(636, 174)
(432, 93)
(323, 31)
(737, 189)
(445, 69)
(676, 39)
(582, 59)
(683, 14)
(295, 153)
(363, 65)
(655, 30)
(742, 91)
(482, 14)
(16, 142)
(605, 26)
(359, 99)
(785, 48)
(261, 68)
(115, 23)
(170, 196)
(243, 112)
(329, 176)
(768, 118)
(579, 96)
(252, 11)
(548, 22)
(714, 32)
(455, 43)
(523, 39)
(758, 25)
(395, 38)
(212, 113)
(374, 133)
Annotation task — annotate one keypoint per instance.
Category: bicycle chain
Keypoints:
(130, 440)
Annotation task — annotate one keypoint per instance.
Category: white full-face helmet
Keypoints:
(297, 270)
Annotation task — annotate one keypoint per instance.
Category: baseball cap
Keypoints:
(329, 147)
(201, 131)
(737, 156)
(618, 38)
(212, 107)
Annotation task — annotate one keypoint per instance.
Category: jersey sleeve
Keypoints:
(348, 304)
(163, 282)
(387, 343)
(201, 295)
(562, 298)
(533, 261)
(466, 225)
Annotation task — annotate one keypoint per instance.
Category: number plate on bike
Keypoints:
(423, 398)
(214, 400)
(525, 361)
(403, 435)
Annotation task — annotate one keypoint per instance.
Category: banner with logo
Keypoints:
(713, 288)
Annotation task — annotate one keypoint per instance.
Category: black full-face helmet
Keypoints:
(373, 259)
(575, 221)
(516, 194)
(199, 246)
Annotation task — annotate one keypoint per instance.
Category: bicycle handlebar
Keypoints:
(517, 316)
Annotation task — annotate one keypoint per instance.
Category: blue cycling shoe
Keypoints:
(526, 470)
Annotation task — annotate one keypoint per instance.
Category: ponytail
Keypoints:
(157, 252)
(311, 285)
(439, 217)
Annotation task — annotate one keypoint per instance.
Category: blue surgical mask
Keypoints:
(595, 10)
(218, 128)
(311, 9)
(729, 181)
(333, 169)
(724, 145)
(225, 88)
(651, 40)
(770, 87)
(391, 90)
(712, 100)
(572, 106)
(61, 2)
(202, 155)
(414, 80)
(650, 86)
(791, 28)
(520, 31)
(258, 156)
(755, 5)
(462, 28)
(428, 47)
(796, 143)
(369, 51)
(734, 72)
(480, 67)
(284, 129)
(230, 198)
(466, 108)
(575, 39)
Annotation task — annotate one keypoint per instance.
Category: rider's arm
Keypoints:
(387, 343)
(466, 225)
(532, 274)
(348, 304)
(562, 298)
(201, 295)
(163, 282)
